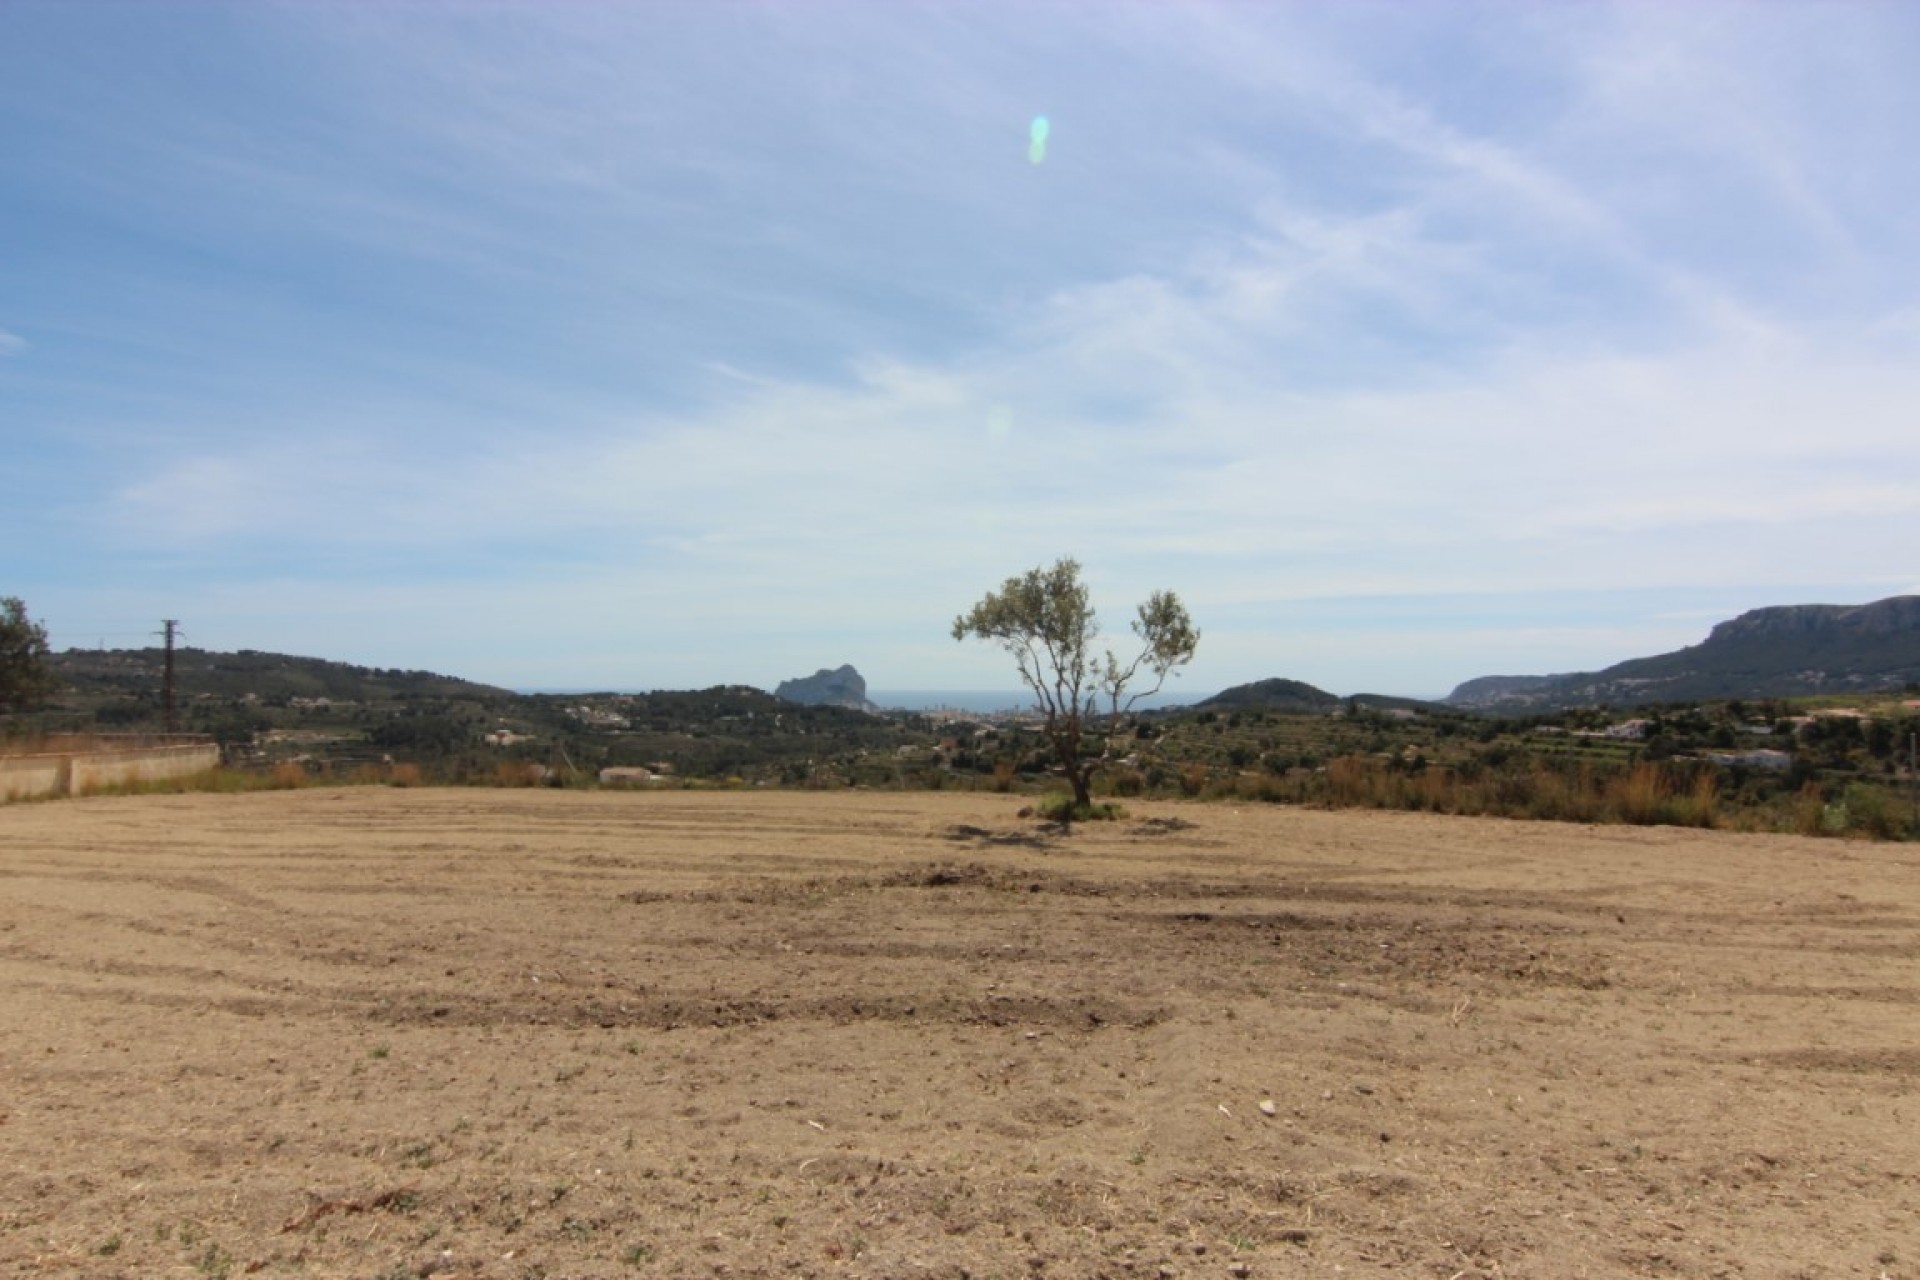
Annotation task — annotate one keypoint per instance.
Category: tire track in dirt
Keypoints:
(870, 1035)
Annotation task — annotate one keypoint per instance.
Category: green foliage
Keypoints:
(272, 679)
(1046, 622)
(1848, 773)
(1276, 694)
(1062, 808)
(419, 733)
(1867, 810)
(26, 675)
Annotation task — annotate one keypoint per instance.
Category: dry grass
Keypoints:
(1678, 794)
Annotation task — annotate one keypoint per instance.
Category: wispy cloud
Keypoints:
(652, 323)
(11, 344)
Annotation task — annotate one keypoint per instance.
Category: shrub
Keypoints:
(1641, 796)
(286, 775)
(1870, 811)
(517, 773)
(1061, 808)
(1809, 810)
(1700, 807)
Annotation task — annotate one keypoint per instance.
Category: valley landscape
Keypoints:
(1800, 719)
(1381, 535)
(391, 1032)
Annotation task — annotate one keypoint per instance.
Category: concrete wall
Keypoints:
(22, 777)
(70, 773)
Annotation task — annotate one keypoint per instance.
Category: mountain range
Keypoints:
(1784, 651)
(268, 676)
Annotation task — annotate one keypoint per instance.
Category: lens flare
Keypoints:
(1037, 139)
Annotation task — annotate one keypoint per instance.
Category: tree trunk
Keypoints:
(1067, 743)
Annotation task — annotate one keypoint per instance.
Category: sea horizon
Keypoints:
(978, 701)
(991, 700)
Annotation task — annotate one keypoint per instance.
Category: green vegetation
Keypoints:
(26, 672)
(1046, 623)
(1062, 809)
(273, 679)
(1823, 766)
(1273, 695)
(1810, 766)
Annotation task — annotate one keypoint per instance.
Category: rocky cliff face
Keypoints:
(1784, 651)
(841, 687)
(1881, 618)
(1492, 691)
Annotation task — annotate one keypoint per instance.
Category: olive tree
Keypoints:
(25, 674)
(1045, 620)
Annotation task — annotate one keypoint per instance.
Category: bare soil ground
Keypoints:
(385, 1033)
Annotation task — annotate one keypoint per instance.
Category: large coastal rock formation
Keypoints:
(841, 687)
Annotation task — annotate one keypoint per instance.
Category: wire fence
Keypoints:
(37, 741)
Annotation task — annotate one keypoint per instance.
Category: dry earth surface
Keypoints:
(385, 1033)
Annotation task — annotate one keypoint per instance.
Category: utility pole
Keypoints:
(171, 625)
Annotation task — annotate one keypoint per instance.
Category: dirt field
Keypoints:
(384, 1033)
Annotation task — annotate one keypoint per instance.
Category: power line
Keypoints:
(171, 626)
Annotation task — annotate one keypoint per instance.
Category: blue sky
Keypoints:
(671, 344)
